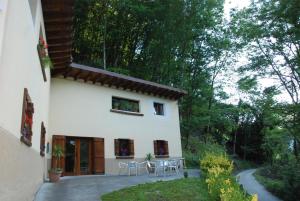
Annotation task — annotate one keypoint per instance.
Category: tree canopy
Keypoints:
(191, 45)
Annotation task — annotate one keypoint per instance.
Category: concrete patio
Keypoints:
(91, 188)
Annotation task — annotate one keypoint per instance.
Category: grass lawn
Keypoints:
(180, 190)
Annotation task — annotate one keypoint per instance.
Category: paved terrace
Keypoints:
(92, 187)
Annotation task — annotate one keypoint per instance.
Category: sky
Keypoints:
(239, 4)
(230, 78)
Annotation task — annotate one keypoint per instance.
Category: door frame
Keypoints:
(77, 156)
(96, 154)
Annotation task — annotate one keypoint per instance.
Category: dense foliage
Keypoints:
(190, 44)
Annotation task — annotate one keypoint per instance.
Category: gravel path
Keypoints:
(249, 183)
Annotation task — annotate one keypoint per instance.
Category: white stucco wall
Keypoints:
(20, 68)
(3, 14)
(21, 167)
(83, 109)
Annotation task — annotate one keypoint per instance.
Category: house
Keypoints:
(98, 117)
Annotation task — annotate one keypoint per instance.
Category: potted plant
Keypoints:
(43, 53)
(149, 157)
(55, 173)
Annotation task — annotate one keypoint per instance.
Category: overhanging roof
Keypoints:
(58, 18)
(103, 77)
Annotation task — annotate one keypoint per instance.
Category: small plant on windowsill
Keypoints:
(43, 53)
(55, 173)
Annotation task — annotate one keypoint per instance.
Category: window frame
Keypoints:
(138, 113)
(117, 147)
(165, 145)
(43, 140)
(163, 108)
(26, 138)
(39, 51)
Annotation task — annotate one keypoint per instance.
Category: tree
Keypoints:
(270, 31)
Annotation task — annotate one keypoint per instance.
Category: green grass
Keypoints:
(275, 186)
(189, 189)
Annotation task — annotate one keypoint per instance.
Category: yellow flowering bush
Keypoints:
(221, 185)
(213, 160)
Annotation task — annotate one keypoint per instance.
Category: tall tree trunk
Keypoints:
(296, 148)
(104, 44)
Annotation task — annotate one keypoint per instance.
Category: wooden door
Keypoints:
(98, 156)
(58, 140)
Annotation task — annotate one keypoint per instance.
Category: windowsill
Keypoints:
(42, 65)
(161, 156)
(127, 112)
(124, 157)
(26, 141)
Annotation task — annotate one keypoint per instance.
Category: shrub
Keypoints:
(221, 185)
(291, 180)
(282, 178)
(197, 150)
(212, 161)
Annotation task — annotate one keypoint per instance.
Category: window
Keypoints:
(43, 139)
(124, 148)
(161, 149)
(159, 108)
(43, 54)
(125, 104)
(33, 9)
(27, 115)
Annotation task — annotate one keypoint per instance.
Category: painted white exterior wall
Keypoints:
(21, 167)
(83, 109)
(20, 68)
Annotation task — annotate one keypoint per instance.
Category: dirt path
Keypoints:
(249, 183)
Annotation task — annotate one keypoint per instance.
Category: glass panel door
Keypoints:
(70, 155)
(84, 156)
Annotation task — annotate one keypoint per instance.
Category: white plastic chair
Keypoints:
(141, 166)
(173, 165)
(160, 165)
(123, 166)
(132, 165)
(151, 167)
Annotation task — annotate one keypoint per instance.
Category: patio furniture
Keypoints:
(151, 167)
(122, 166)
(160, 166)
(132, 165)
(141, 166)
(174, 165)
